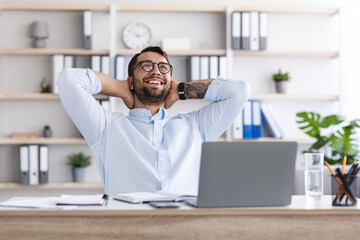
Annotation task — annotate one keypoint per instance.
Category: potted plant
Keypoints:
(281, 81)
(45, 87)
(47, 132)
(78, 162)
(342, 142)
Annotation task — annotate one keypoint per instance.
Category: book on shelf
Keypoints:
(87, 29)
(254, 31)
(34, 164)
(235, 30)
(58, 66)
(245, 31)
(263, 30)
(249, 30)
(69, 61)
(144, 197)
(270, 121)
(120, 67)
(204, 67)
(95, 63)
(105, 64)
(255, 121)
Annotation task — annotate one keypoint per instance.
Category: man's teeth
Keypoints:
(155, 82)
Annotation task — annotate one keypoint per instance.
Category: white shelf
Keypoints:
(174, 8)
(52, 186)
(52, 51)
(166, 8)
(290, 10)
(49, 141)
(53, 7)
(38, 96)
(189, 52)
(295, 97)
(266, 53)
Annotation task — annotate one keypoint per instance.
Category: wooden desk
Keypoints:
(303, 219)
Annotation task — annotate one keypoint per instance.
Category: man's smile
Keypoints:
(154, 81)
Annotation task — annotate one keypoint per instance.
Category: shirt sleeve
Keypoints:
(229, 98)
(76, 87)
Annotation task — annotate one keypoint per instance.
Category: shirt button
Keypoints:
(157, 125)
(158, 145)
(161, 159)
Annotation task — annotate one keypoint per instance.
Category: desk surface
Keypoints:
(303, 219)
(298, 202)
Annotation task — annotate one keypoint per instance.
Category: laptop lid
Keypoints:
(246, 174)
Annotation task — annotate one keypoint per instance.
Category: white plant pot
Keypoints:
(281, 86)
(78, 174)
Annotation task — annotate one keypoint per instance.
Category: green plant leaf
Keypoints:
(343, 143)
(79, 160)
(311, 126)
(321, 142)
(279, 76)
(330, 120)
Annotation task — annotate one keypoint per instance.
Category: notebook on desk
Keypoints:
(246, 174)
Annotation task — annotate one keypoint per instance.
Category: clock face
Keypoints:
(137, 35)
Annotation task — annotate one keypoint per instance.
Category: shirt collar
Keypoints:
(146, 114)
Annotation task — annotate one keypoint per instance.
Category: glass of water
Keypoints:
(314, 175)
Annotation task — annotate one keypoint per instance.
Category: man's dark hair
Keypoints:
(156, 49)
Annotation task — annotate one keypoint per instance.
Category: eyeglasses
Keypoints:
(148, 66)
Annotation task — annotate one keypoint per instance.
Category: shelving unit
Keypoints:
(184, 53)
(38, 96)
(49, 51)
(323, 54)
(296, 97)
(112, 49)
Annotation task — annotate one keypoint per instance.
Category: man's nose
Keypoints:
(156, 70)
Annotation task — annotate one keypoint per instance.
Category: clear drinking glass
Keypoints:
(314, 175)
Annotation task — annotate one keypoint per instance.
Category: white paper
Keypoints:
(39, 203)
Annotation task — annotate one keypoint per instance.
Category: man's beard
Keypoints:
(149, 96)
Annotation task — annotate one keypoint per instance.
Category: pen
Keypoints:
(339, 182)
(342, 171)
(353, 168)
(345, 187)
(343, 165)
(106, 199)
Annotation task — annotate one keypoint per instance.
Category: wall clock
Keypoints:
(137, 35)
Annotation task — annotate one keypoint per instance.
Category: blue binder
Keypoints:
(247, 121)
(256, 119)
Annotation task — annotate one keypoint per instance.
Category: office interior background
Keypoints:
(324, 80)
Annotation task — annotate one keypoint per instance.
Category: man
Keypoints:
(149, 150)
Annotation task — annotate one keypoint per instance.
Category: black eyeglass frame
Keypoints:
(153, 64)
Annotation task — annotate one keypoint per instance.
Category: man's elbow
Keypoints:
(64, 77)
(244, 90)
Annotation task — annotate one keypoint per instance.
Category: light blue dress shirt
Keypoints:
(141, 152)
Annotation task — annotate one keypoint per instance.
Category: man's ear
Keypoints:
(131, 83)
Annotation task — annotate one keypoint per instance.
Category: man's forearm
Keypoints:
(110, 86)
(196, 89)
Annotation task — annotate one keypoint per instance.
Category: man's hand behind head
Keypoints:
(126, 94)
(173, 95)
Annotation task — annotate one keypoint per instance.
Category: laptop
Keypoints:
(246, 174)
